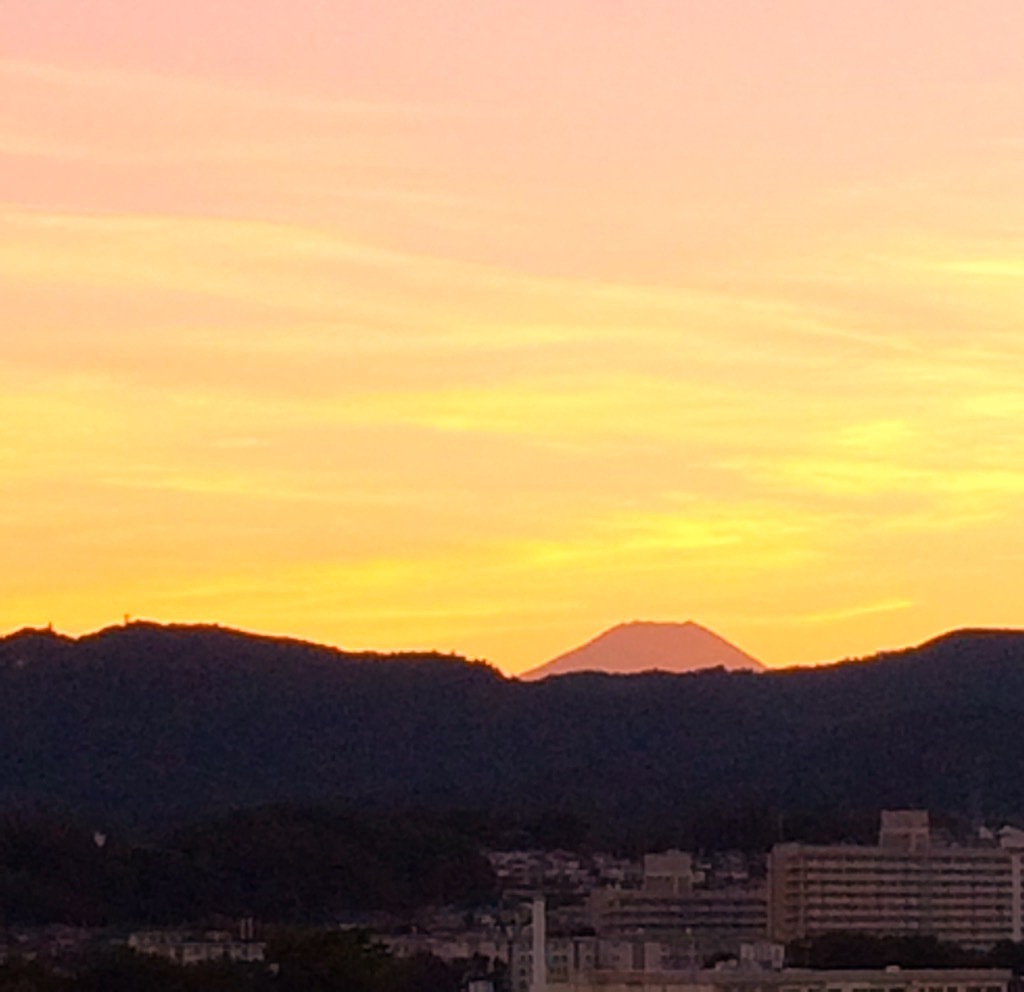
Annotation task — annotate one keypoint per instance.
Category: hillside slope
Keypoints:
(155, 723)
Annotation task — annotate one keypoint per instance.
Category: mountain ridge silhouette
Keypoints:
(152, 724)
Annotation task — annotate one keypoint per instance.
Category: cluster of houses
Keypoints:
(574, 923)
(655, 924)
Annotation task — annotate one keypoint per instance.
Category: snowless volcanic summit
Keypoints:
(641, 646)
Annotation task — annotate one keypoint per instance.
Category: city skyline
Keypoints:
(484, 327)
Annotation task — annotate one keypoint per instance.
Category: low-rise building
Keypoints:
(669, 907)
(798, 980)
(570, 961)
(185, 948)
(451, 947)
(739, 912)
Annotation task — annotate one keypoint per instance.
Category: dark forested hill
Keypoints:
(158, 724)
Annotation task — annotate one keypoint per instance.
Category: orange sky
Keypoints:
(484, 326)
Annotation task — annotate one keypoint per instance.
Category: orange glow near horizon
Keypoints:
(483, 327)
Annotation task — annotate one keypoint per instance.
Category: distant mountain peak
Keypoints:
(646, 645)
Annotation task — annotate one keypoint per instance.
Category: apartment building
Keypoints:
(799, 980)
(669, 904)
(736, 911)
(910, 883)
(568, 962)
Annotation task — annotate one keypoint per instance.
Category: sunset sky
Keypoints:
(482, 325)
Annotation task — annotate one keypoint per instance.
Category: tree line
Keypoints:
(297, 961)
(286, 864)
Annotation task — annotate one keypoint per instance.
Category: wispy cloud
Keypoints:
(892, 605)
(208, 92)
